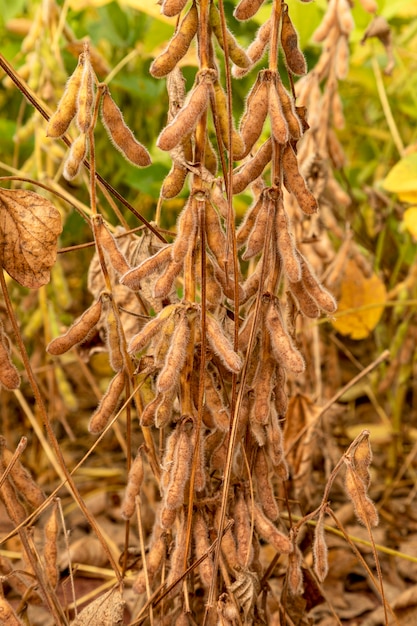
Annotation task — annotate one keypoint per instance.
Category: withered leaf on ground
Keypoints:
(29, 229)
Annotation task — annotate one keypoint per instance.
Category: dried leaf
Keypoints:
(107, 610)
(364, 298)
(29, 229)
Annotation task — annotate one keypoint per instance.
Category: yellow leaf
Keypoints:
(410, 221)
(361, 303)
(29, 229)
(402, 179)
(146, 6)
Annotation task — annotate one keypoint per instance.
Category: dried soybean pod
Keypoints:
(75, 157)
(269, 533)
(289, 41)
(178, 46)
(285, 242)
(174, 181)
(294, 571)
(262, 388)
(175, 358)
(188, 116)
(228, 543)
(275, 444)
(202, 544)
(147, 417)
(23, 480)
(279, 126)
(220, 109)
(308, 306)
(227, 284)
(256, 110)
(67, 106)
(256, 239)
(114, 339)
(288, 109)
(344, 17)
(9, 376)
(7, 614)
(134, 483)
(242, 529)
(143, 337)
(327, 23)
(210, 158)
(218, 198)
(221, 345)
(264, 486)
(252, 168)
(296, 183)
(320, 552)
(249, 220)
(247, 9)
(215, 235)
(108, 404)
(282, 346)
(186, 227)
(324, 298)
(235, 52)
(165, 282)
(256, 49)
(365, 509)
(164, 409)
(362, 458)
(109, 244)
(180, 469)
(342, 58)
(170, 8)
(50, 548)
(78, 332)
(85, 96)
(154, 560)
(120, 135)
(213, 289)
(133, 277)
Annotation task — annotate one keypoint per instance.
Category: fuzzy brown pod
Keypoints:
(108, 405)
(174, 181)
(154, 560)
(143, 337)
(279, 125)
(109, 244)
(236, 53)
(296, 183)
(264, 485)
(186, 227)
(120, 135)
(67, 106)
(178, 46)
(85, 96)
(221, 345)
(252, 168)
(289, 111)
(285, 242)
(249, 220)
(8, 615)
(320, 552)
(255, 113)
(136, 275)
(256, 49)
(356, 489)
(175, 358)
(247, 9)
(324, 298)
(78, 331)
(289, 41)
(76, 156)
(257, 236)
(188, 116)
(270, 533)
(219, 106)
(22, 479)
(170, 8)
(9, 376)
(29, 230)
(282, 346)
(50, 550)
(134, 484)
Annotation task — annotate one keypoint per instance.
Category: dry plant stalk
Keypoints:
(209, 366)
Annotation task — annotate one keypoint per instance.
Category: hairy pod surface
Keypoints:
(108, 405)
(247, 9)
(252, 168)
(236, 53)
(279, 125)
(108, 242)
(186, 227)
(282, 345)
(255, 113)
(133, 277)
(67, 106)
(285, 242)
(221, 345)
(178, 46)
(120, 135)
(289, 41)
(188, 116)
(75, 157)
(134, 483)
(170, 8)
(85, 97)
(296, 182)
(9, 376)
(175, 357)
(220, 107)
(78, 332)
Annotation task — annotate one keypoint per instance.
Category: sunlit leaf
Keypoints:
(29, 229)
(363, 300)
(410, 221)
(402, 179)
